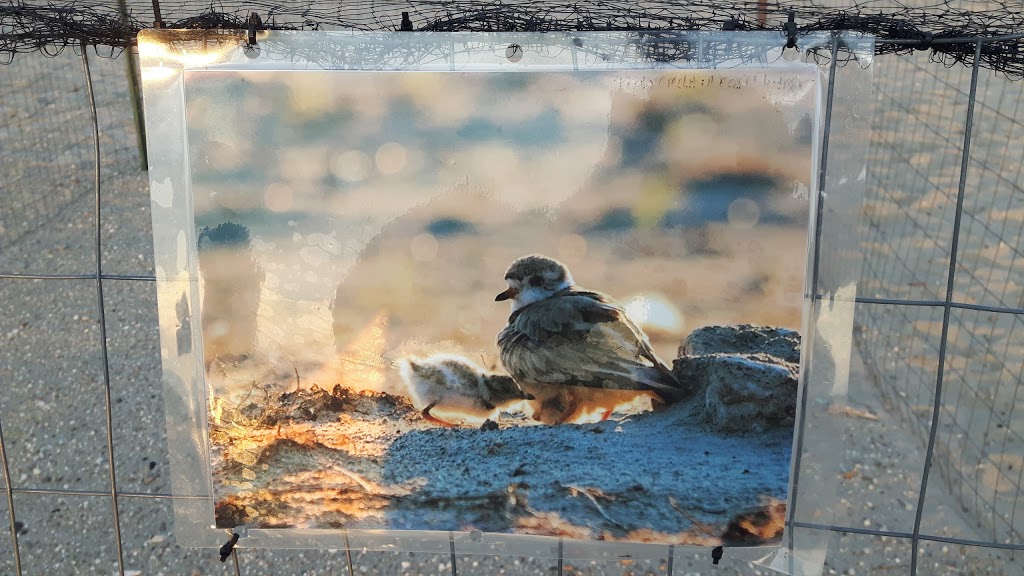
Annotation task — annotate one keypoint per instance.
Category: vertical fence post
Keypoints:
(134, 90)
(102, 313)
(947, 308)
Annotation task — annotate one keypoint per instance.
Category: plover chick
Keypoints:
(456, 386)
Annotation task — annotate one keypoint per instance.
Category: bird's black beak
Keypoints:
(510, 293)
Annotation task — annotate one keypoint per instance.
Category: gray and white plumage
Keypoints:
(455, 385)
(571, 347)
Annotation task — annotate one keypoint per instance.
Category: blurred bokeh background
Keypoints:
(347, 218)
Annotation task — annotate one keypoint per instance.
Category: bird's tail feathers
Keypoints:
(661, 381)
(657, 379)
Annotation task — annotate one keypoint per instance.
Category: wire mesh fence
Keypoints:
(74, 462)
(910, 215)
(43, 112)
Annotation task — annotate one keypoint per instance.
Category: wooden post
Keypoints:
(135, 92)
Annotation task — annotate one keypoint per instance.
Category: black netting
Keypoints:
(947, 28)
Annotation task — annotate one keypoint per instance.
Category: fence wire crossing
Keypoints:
(938, 319)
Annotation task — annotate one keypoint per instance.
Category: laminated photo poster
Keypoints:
(523, 289)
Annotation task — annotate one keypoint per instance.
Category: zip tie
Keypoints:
(926, 42)
(790, 28)
(228, 548)
(255, 23)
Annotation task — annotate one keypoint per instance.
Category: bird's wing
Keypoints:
(581, 339)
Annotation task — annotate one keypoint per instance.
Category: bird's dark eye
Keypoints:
(536, 280)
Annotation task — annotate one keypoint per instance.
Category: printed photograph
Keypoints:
(553, 303)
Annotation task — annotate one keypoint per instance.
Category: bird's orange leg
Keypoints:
(570, 408)
(431, 418)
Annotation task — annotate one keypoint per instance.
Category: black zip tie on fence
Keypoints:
(228, 548)
(926, 42)
(790, 28)
(252, 25)
(732, 24)
(716, 554)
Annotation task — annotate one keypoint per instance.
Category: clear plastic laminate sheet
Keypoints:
(568, 294)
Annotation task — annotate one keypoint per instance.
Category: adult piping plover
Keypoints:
(456, 385)
(575, 350)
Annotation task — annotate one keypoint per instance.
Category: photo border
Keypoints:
(833, 260)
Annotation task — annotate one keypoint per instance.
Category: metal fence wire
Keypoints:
(943, 230)
(938, 331)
